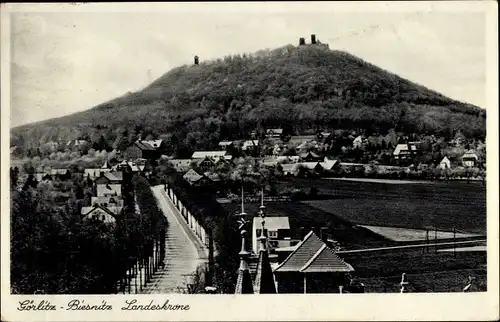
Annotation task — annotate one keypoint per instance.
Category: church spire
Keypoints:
(262, 207)
(262, 214)
(264, 280)
(244, 282)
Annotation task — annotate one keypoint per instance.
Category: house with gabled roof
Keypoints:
(305, 147)
(225, 144)
(109, 184)
(287, 169)
(94, 173)
(329, 164)
(213, 176)
(42, 176)
(109, 177)
(105, 214)
(406, 151)
(469, 159)
(274, 133)
(210, 154)
(60, 174)
(313, 167)
(276, 229)
(310, 157)
(196, 179)
(359, 142)
(181, 165)
(312, 267)
(109, 189)
(191, 176)
(445, 163)
(297, 140)
(288, 159)
(107, 201)
(250, 145)
(146, 149)
(206, 164)
(323, 135)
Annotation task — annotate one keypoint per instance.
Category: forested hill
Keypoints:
(295, 87)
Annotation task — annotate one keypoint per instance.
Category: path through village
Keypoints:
(184, 252)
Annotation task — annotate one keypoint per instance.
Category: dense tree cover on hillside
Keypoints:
(53, 251)
(292, 87)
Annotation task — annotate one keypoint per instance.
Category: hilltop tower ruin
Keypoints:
(313, 39)
(302, 41)
(196, 60)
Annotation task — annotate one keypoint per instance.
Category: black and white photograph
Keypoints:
(221, 151)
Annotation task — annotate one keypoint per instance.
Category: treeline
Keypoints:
(153, 224)
(54, 251)
(290, 87)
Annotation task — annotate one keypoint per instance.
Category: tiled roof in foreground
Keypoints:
(312, 255)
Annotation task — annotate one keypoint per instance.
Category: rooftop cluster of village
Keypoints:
(306, 155)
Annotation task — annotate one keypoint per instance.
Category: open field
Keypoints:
(479, 248)
(417, 206)
(381, 271)
(452, 281)
(428, 272)
(410, 206)
(388, 181)
(408, 234)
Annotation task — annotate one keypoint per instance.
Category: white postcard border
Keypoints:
(402, 307)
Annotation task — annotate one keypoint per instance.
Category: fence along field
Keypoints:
(440, 205)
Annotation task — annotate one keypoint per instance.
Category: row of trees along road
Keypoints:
(54, 252)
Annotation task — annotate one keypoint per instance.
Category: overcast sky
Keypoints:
(66, 62)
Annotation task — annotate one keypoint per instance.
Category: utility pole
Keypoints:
(427, 240)
(454, 245)
(435, 240)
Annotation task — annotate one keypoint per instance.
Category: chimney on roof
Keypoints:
(322, 233)
(313, 39)
(302, 41)
(196, 60)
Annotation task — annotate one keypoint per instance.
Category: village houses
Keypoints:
(469, 159)
(406, 151)
(250, 145)
(225, 144)
(104, 214)
(274, 133)
(109, 184)
(445, 164)
(312, 267)
(145, 149)
(277, 231)
(359, 142)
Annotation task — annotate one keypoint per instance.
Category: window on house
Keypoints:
(273, 234)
